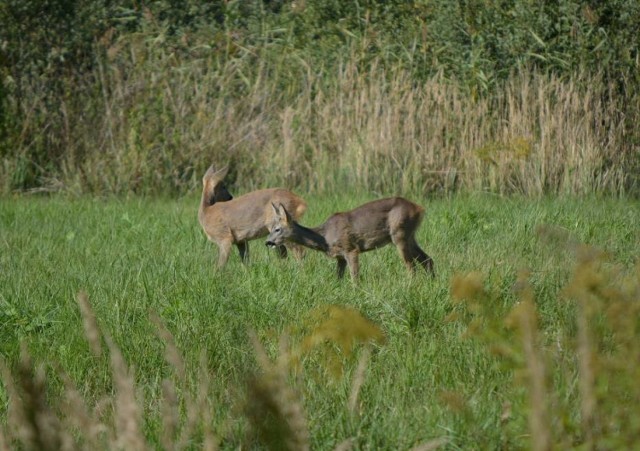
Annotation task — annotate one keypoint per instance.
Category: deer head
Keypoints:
(214, 188)
(280, 227)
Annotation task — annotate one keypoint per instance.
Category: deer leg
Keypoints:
(354, 265)
(342, 265)
(243, 249)
(407, 256)
(282, 251)
(425, 261)
(224, 249)
(412, 254)
(406, 248)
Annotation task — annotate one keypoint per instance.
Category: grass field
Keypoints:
(456, 371)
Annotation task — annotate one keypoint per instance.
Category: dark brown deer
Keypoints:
(345, 235)
(227, 221)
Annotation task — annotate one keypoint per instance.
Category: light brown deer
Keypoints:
(227, 221)
(345, 235)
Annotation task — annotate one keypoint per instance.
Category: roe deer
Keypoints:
(345, 235)
(228, 221)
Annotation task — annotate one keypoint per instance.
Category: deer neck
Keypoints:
(311, 238)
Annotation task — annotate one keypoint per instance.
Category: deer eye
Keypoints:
(277, 229)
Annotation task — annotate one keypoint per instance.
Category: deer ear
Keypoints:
(283, 213)
(216, 175)
(210, 172)
(222, 173)
(275, 210)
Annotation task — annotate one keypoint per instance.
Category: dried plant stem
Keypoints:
(79, 416)
(4, 445)
(170, 413)
(15, 415)
(210, 439)
(358, 379)
(539, 418)
(43, 424)
(526, 319)
(585, 283)
(128, 416)
(171, 353)
(91, 329)
(586, 375)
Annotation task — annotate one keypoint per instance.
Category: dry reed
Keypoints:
(524, 318)
(377, 129)
(358, 380)
(91, 330)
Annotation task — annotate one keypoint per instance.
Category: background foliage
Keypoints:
(119, 96)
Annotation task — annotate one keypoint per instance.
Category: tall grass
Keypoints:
(149, 119)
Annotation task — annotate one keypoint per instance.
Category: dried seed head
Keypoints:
(89, 323)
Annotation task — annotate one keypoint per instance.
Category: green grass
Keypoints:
(430, 379)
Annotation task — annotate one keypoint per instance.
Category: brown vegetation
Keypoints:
(378, 130)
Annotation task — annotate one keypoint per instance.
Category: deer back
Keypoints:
(372, 225)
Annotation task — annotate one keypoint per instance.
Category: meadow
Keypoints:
(513, 123)
(117, 331)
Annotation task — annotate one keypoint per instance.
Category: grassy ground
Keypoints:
(437, 375)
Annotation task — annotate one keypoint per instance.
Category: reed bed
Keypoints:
(150, 121)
